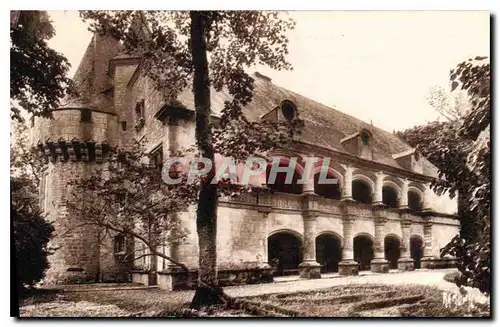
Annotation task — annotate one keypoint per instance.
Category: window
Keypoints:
(86, 116)
(288, 110)
(365, 138)
(157, 157)
(139, 109)
(139, 115)
(119, 243)
(124, 125)
(32, 121)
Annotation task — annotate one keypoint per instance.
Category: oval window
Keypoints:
(288, 110)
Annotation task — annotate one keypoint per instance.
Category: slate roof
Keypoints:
(323, 126)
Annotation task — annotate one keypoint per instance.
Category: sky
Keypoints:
(377, 66)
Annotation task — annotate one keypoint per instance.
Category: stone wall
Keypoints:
(76, 257)
(67, 125)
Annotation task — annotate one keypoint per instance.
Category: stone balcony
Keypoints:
(264, 200)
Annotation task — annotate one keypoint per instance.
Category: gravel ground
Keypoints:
(111, 300)
(421, 277)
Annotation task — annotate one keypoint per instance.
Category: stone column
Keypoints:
(428, 261)
(347, 190)
(405, 262)
(379, 264)
(309, 268)
(427, 197)
(403, 201)
(379, 182)
(348, 266)
(308, 186)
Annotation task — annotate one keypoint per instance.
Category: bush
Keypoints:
(31, 233)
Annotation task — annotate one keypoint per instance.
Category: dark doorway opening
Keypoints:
(389, 197)
(414, 201)
(280, 184)
(361, 192)
(363, 251)
(416, 250)
(328, 252)
(392, 249)
(284, 253)
(331, 191)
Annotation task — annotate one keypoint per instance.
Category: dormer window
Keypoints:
(365, 138)
(288, 110)
(359, 144)
(410, 160)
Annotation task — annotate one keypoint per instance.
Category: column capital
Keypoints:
(310, 215)
(405, 223)
(348, 167)
(428, 224)
(378, 209)
(379, 220)
(404, 212)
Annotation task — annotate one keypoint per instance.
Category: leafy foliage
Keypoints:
(461, 151)
(126, 195)
(37, 73)
(207, 49)
(30, 232)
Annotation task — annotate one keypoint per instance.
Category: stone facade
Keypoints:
(311, 227)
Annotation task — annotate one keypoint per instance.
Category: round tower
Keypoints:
(75, 143)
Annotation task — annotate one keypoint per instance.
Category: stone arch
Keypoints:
(363, 244)
(331, 172)
(392, 249)
(284, 251)
(417, 245)
(367, 177)
(280, 184)
(391, 194)
(333, 234)
(329, 251)
(417, 186)
(334, 169)
(362, 188)
(415, 198)
(289, 231)
(393, 185)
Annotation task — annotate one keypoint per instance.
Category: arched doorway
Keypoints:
(416, 250)
(392, 249)
(328, 252)
(331, 191)
(361, 191)
(280, 184)
(284, 253)
(363, 251)
(389, 197)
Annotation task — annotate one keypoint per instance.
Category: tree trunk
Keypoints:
(208, 292)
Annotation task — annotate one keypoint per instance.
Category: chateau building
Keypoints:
(380, 215)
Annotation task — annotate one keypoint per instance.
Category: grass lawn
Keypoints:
(365, 300)
(369, 300)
